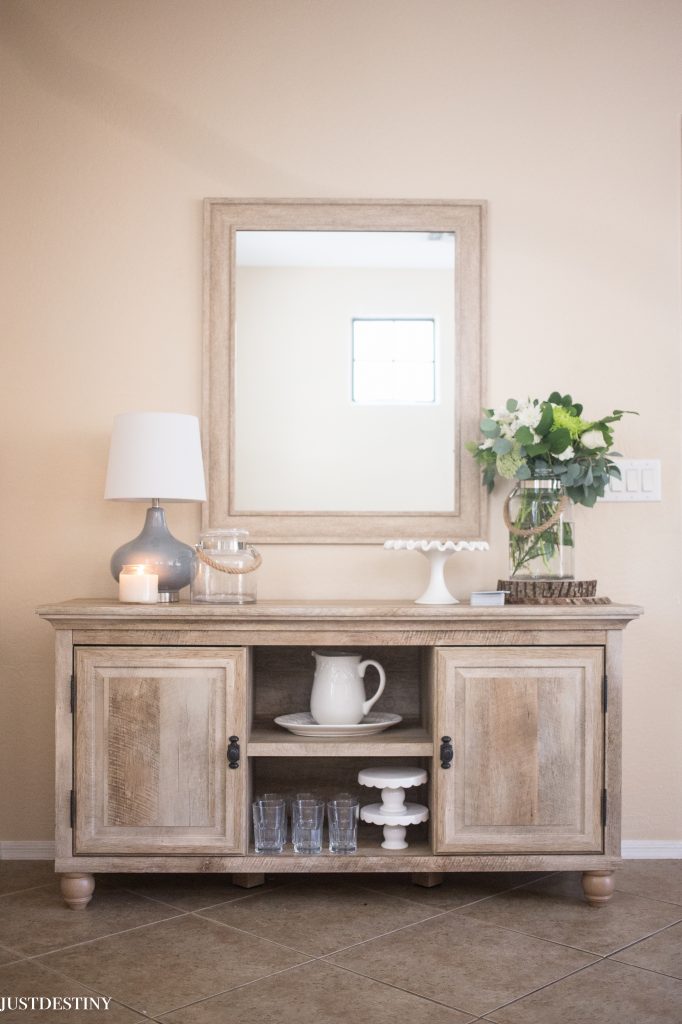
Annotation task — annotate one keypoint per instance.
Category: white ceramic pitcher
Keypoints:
(338, 695)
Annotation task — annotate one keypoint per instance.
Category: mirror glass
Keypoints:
(344, 371)
(343, 368)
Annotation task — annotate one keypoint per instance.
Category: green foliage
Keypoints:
(559, 440)
(490, 428)
(546, 419)
(509, 462)
(542, 438)
(524, 435)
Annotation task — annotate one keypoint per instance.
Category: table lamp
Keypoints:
(156, 456)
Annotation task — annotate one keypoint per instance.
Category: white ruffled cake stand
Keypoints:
(437, 552)
(393, 813)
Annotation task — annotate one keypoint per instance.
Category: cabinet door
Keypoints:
(152, 728)
(527, 732)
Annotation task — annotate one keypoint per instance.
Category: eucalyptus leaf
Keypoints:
(573, 472)
(490, 428)
(512, 405)
(502, 446)
(541, 448)
(523, 472)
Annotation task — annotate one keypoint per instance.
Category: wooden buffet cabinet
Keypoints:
(164, 730)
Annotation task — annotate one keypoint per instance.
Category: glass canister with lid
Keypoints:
(224, 569)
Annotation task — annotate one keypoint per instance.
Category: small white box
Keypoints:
(487, 598)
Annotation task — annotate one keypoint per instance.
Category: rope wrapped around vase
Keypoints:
(532, 531)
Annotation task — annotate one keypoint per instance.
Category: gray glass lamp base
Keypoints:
(157, 547)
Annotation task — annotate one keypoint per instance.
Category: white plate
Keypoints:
(303, 724)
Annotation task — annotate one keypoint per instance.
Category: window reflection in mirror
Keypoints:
(344, 371)
(394, 361)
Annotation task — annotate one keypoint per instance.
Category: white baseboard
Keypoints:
(651, 849)
(632, 849)
(27, 851)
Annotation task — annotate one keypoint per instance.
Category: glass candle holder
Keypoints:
(224, 569)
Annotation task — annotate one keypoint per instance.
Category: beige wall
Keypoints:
(119, 116)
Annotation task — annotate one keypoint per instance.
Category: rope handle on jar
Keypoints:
(232, 569)
(532, 531)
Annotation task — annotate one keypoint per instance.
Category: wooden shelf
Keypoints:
(404, 740)
(366, 848)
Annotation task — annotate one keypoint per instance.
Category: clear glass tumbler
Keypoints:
(269, 798)
(307, 817)
(269, 825)
(342, 813)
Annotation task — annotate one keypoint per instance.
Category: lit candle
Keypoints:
(137, 584)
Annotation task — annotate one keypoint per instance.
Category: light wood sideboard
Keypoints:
(164, 731)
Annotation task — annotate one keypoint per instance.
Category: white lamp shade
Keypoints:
(155, 455)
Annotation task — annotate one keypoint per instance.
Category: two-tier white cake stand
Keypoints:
(393, 813)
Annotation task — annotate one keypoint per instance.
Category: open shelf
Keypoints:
(404, 740)
(366, 848)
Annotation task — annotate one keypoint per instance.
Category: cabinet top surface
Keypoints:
(288, 613)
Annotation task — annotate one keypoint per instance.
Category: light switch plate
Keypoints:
(640, 481)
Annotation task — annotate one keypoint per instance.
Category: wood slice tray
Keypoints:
(551, 592)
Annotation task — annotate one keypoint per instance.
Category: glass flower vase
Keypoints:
(539, 516)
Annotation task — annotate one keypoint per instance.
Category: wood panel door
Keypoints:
(152, 728)
(527, 732)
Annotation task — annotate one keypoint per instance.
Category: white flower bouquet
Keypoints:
(550, 443)
(548, 439)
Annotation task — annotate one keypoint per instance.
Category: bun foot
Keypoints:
(598, 887)
(77, 890)
(248, 881)
(427, 878)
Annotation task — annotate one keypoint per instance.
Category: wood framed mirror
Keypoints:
(343, 368)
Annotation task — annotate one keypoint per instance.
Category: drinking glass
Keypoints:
(306, 825)
(342, 812)
(269, 798)
(269, 825)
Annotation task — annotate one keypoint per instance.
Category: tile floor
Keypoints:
(502, 949)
